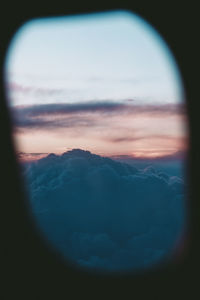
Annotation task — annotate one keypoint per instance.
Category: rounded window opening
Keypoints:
(100, 128)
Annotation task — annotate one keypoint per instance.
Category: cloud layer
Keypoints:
(105, 215)
(60, 115)
(108, 128)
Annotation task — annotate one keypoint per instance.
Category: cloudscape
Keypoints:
(100, 128)
(104, 214)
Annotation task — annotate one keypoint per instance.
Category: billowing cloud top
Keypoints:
(105, 215)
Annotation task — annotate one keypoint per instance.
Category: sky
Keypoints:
(105, 82)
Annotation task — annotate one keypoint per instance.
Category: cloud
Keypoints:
(179, 155)
(84, 113)
(22, 156)
(24, 89)
(105, 215)
(132, 138)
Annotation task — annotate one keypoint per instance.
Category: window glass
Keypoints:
(100, 129)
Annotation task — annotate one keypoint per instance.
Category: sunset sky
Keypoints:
(106, 83)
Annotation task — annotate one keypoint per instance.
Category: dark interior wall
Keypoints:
(30, 270)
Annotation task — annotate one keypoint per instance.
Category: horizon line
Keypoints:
(35, 156)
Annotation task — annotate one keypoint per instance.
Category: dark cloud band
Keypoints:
(84, 113)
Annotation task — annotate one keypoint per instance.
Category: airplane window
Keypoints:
(101, 135)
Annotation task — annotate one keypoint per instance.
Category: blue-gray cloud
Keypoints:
(83, 113)
(103, 214)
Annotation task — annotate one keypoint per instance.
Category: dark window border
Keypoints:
(31, 270)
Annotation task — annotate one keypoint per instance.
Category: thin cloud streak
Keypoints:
(142, 137)
(174, 156)
(26, 157)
